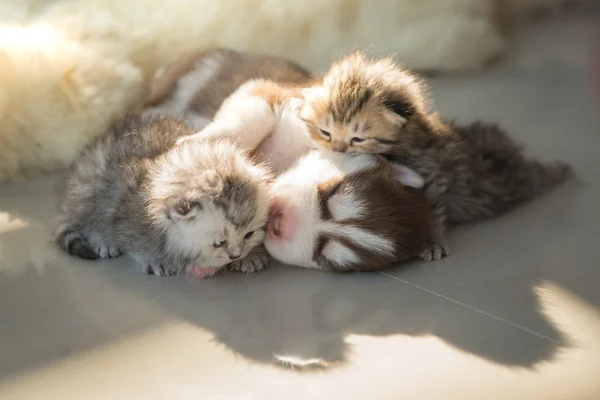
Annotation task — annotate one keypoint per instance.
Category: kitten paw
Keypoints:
(102, 247)
(252, 263)
(435, 251)
(106, 252)
(156, 268)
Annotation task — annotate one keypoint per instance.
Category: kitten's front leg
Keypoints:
(244, 117)
(256, 260)
(437, 247)
(155, 266)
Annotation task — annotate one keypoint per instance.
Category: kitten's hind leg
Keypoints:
(74, 243)
(437, 247)
(256, 260)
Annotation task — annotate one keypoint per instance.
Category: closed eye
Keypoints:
(325, 134)
(356, 140)
(385, 141)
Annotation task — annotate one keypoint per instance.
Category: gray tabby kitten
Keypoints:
(201, 205)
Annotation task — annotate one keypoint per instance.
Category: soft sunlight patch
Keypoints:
(298, 363)
(8, 224)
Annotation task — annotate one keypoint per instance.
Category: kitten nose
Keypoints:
(338, 145)
(234, 254)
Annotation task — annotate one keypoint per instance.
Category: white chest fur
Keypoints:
(288, 141)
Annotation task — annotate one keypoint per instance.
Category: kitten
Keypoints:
(471, 172)
(202, 204)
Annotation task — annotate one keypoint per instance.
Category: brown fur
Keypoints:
(471, 172)
(357, 111)
(396, 212)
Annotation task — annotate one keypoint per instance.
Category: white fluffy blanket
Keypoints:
(69, 67)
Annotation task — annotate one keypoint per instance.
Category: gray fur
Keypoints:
(122, 191)
(473, 172)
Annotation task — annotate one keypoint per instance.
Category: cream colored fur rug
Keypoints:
(69, 67)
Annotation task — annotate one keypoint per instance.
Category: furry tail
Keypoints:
(546, 175)
(74, 243)
(512, 178)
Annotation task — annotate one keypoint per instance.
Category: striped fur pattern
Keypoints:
(356, 110)
(471, 172)
(341, 213)
(134, 191)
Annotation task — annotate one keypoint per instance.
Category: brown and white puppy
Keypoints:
(342, 213)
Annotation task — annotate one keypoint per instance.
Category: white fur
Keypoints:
(314, 168)
(276, 136)
(345, 206)
(281, 144)
(55, 95)
(360, 236)
(199, 231)
(407, 176)
(288, 141)
(300, 184)
(71, 66)
(433, 34)
(337, 253)
(244, 118)
(200, 234)
(196, 232)
(352, 164)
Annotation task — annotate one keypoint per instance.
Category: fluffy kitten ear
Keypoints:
(312, 97)
(183, 210)
(407, 176)
(399, 110)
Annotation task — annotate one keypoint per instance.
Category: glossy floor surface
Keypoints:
(513, 313)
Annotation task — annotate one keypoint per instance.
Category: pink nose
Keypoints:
(338, 145)
(282, 221)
